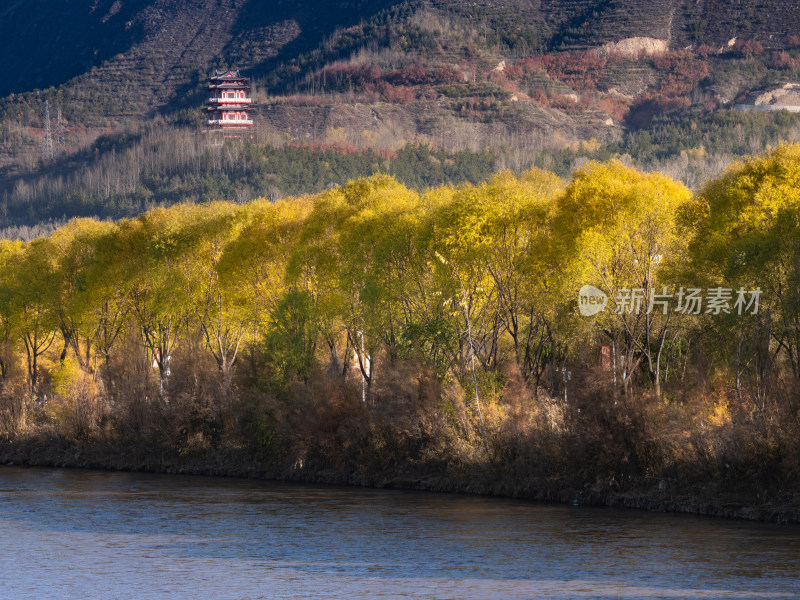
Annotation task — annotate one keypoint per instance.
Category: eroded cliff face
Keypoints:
(635, 47)
(787, 95)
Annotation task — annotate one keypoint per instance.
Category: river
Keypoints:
(95, 534)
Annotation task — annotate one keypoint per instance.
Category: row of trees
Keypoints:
(126, 174)
(361, 277)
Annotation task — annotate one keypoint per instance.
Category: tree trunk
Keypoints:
(335, 366)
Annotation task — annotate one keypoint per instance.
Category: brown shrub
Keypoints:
(80, 412)
(132, 389)
(14, 399)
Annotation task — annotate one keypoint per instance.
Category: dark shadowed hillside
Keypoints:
(46, 43)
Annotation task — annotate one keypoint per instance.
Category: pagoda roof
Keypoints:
(235, 86)
(230, 74)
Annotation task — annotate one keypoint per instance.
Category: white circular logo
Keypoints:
(591, 300)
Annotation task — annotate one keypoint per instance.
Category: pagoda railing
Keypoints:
(229, 101)
(229, 122)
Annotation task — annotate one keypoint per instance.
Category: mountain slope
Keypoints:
(159, 46)
(526, 77)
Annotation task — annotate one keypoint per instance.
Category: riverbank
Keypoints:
(695, 453)
(485, 479)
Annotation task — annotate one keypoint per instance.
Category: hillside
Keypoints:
(86, 36)
(534, 79)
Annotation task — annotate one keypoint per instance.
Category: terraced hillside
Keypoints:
(148, 53)
(770, 22)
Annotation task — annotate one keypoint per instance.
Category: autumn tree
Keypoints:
(747, 238)
(76, 248)
(205, 232)
(252, 271)
(29, 301)
(148, 251)
(9, 250)
(617, 228)
(355, 254)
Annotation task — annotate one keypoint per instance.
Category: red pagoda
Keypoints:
(229, 102)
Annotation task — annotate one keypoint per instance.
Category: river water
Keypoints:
(93, 534)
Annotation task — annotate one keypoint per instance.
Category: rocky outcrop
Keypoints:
(636, 46)
(785, 95)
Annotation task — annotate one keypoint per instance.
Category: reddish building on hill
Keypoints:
(228, 103)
